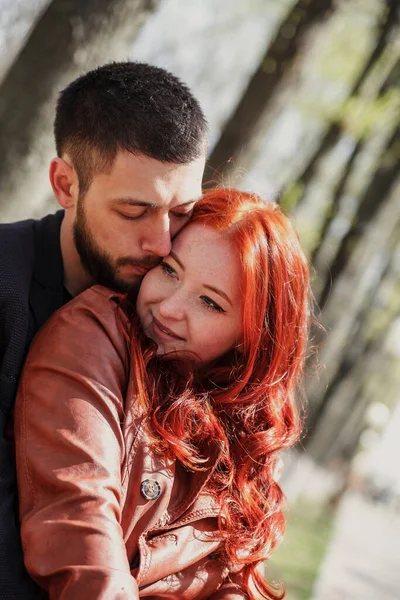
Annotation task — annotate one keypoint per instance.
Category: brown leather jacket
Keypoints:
(89, 529)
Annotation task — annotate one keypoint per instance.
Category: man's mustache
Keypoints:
(148, 262)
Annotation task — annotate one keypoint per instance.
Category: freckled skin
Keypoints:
(177, 295)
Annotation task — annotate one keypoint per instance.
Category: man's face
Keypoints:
(124, 223)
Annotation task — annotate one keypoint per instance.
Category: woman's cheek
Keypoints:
(208, 335)
(151, 285)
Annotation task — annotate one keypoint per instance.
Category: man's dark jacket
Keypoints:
(31, 289)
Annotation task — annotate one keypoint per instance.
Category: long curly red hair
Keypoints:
(246, 400)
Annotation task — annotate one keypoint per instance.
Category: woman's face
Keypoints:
(192, 301)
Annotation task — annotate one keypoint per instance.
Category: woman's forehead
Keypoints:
(199, 233)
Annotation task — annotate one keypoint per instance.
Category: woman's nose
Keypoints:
(174, 306)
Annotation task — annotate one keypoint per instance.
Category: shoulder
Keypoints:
(97, 303)
(96, 322)
(12, 235)
(16, 226)
(16, 232)
(16, 260)
(15, 237)
(18, 243)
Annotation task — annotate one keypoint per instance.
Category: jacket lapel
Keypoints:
(198, 482)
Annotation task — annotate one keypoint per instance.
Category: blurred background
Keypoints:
(303, 103)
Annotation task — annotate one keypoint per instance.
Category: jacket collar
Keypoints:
(47, 291)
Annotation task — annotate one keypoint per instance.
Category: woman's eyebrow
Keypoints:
(209, 287)
(176, 259)
(219, 292)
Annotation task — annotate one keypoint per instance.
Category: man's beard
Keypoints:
(98, 263)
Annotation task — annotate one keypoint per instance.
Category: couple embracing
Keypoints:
(153, 405)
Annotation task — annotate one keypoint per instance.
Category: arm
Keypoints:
(69, 452)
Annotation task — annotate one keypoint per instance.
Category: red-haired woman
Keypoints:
(147, 439)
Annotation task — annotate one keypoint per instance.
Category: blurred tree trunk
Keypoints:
(338, 211)
(71, 37)
(353, 228)
(234, 144)
(333, 133)
(352, 294)
(347, 396)
(376, 190)
(328, 223)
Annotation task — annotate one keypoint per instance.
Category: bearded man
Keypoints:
(131, 143)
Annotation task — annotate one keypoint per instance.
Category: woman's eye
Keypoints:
(211, 305)
(168, 270)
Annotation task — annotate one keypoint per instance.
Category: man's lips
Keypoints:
(139, 267)
(163, 332)
(136, 269)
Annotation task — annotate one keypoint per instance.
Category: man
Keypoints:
(131, 144)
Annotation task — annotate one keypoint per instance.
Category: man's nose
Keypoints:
(157, 239)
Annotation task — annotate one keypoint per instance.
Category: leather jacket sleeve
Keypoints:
(69, 451)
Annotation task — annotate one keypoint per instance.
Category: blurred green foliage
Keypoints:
(298, 558)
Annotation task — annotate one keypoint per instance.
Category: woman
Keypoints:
(147, 441)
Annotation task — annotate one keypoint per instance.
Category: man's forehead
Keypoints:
(142, 181)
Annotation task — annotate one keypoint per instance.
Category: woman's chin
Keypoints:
(166, 350)
(189, 360)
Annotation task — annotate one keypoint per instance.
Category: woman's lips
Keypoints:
(163, 333)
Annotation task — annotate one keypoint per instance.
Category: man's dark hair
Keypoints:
(128, 106)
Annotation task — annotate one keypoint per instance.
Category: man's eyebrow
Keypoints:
(133, 202)
(219, 292)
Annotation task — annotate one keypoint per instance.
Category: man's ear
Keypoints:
(64, 181)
